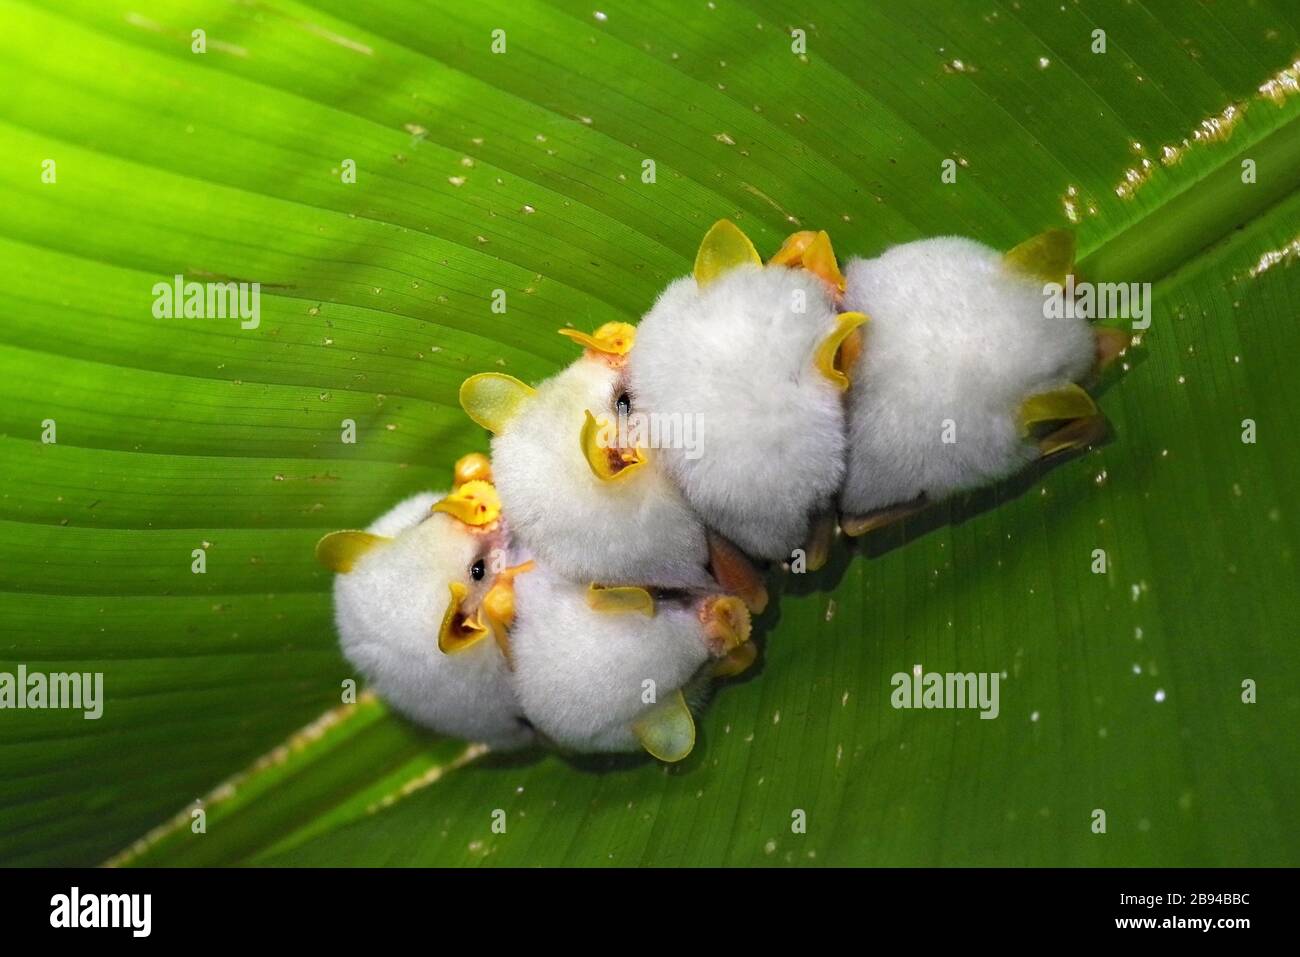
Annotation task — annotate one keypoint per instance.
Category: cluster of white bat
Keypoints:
(585, 594)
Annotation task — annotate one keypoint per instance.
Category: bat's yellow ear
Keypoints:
(812, 251)
(724, 248)
(1059, 405)
(837, 353)
(1080, 423)
(340, 551)
(1049, 256)
(492, 399)
(667, 730)
(620, 599)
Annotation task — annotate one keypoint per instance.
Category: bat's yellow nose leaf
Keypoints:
(726, 622)
(612, 339)
(608, 462)
(459, 631)
(475, 503)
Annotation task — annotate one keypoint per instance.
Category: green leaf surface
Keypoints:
(522, 171)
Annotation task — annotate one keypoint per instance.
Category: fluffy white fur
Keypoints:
(739, 356)
(953, 334)
(578, 672)
(389, 609)
(637, 528)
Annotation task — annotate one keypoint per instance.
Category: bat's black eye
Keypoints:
(624, 404)
(477, 570)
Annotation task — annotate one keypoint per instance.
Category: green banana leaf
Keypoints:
(1162, 691)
